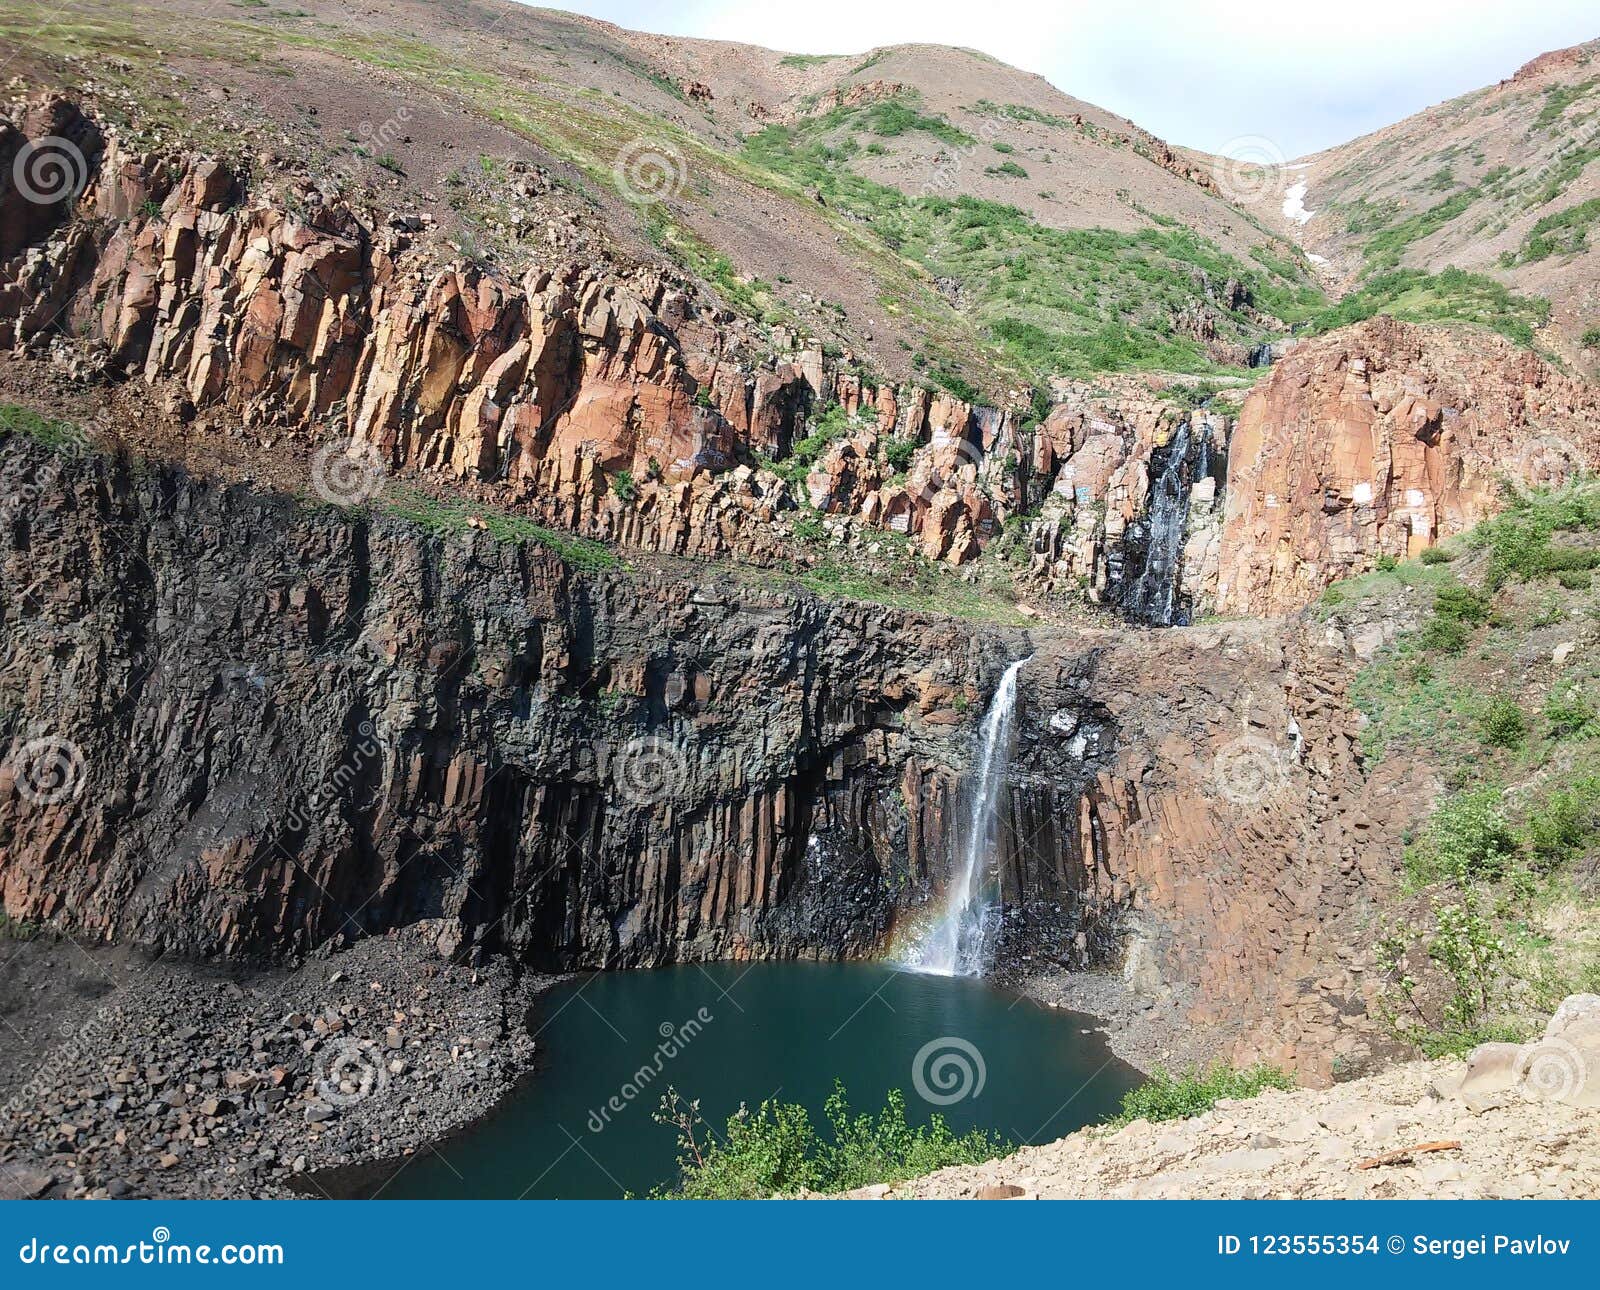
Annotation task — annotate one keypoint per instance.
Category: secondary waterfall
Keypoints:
(1151, 596)
(958, 944)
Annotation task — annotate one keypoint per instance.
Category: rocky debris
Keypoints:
(1409, 1132)
(1563, 1065)
(1381, 440)
(185, 1082)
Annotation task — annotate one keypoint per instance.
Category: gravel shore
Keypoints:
(129, 1077)
(1144, 1032)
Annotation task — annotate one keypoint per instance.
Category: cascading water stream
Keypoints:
(1152, 596)
(958, 943)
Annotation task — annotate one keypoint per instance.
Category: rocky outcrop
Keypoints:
(238, 727)
(284, 727)
(612, 404)
(1380, 440)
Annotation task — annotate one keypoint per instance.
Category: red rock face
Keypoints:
(310, 327)
(1382, 439)
(539, 393)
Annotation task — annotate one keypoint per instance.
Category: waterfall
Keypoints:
(1151, 597)
(958, 943)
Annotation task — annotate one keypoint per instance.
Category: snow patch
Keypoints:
(1294, 203)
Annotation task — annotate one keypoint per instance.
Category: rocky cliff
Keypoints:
(613, 402)
(1380, 440)
(244, 727)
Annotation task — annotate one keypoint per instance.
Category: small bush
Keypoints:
(1459, 1041)
(1591, 338)
(1561, 825)
(1568, 713)
(11, 930)
(1468, 837)
(1447, 635)
(808, 528)
(1436, 555)
(623, 486)
(1462, 604)
(777, 1151)
(899, 453)
(1166, 1096)
(1501, 723)
(1387, 564)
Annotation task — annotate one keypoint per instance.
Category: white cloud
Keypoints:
(1197, 72)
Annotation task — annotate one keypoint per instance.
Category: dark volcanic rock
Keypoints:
(239, 726)
(282, 726)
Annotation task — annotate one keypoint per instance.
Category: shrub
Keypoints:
(1568, 713)
(623, 486)
(1519, 539)
(1501, 723)
(1447, 635)
(1459, 1041)
(1468, 949)
(777, 1151)
(1591, 338)
(11, 930)
(1468, 837)
(808, 528)
(1167, 1096)
(1436, 555)
(1462, 604)
(898, 453)
(1560, 826)
(1387, 564)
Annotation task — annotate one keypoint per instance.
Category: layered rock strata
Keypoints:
(235, 726)
(1381, 440)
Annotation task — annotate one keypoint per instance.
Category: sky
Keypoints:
(1203, 73)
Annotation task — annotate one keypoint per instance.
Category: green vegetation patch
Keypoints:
(776, 1150)
(1452, 295)
(1497, 917)
(1564, 233)
(1168, 1096)
(579, 553)
(1067, 302)
(53, 432)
